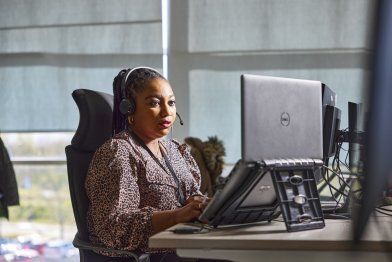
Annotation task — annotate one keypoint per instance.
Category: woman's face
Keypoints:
(155, 110)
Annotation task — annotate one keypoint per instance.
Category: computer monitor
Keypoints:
(378, 141)
(355, 137)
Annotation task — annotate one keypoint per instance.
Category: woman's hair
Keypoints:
(135, 83)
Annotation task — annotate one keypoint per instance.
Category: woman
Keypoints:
(139, 184)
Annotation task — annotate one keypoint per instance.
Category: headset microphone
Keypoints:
(179, 117)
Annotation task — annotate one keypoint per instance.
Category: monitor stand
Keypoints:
(296, 189)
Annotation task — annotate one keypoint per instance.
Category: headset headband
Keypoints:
(139, 67)
(127, 105)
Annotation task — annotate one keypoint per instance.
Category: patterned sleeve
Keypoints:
(114, 217)
(193, 167)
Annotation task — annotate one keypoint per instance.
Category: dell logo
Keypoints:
(285, 119)
(264, 188)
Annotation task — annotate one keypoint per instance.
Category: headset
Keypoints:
(128, 106)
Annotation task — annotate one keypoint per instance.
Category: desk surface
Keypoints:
(336, 236)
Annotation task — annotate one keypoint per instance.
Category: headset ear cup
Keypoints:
(126, 107)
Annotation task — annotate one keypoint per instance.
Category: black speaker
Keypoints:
(331, 126)
(328, 97)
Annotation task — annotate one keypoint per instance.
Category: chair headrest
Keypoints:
(95, 122)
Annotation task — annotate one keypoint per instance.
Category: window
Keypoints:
(45, 211)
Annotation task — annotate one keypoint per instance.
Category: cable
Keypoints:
(336, 216)
(336, 160)
(341, 179)
(340, 196)
(382, 212)
(385, 211)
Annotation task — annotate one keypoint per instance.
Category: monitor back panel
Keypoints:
(281, 118)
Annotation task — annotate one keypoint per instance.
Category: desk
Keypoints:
(271, 242)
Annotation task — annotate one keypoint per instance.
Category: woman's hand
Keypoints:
(192, 209)
(199, 198)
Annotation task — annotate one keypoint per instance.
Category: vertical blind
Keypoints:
(214, 42)
(49, 48)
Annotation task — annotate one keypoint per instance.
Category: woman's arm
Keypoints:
(115, 218)
(162, 220)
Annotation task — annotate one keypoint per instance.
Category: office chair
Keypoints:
(95, 109)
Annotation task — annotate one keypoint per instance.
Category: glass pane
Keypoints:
(42, 227)
(33, 146)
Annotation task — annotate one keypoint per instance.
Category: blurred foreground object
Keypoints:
(9, 195)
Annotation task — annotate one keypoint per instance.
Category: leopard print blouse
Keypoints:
(125, 185)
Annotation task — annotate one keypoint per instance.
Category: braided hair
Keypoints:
(135, 83)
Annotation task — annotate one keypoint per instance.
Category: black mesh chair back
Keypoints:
(95, 109)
